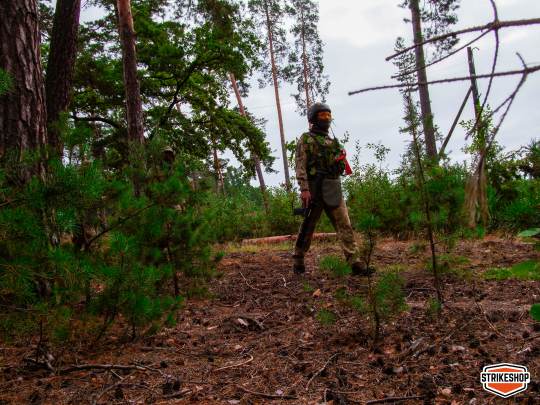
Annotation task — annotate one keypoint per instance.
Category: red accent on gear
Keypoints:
(348, 169)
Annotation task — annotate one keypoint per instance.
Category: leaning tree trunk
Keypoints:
(134, 110)
(23, 116)
(425, 103)
(61, 63)
(256, 159)
(282, 132)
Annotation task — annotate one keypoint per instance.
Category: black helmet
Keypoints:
(315, 109)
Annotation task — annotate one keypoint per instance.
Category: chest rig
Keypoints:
(322, 157)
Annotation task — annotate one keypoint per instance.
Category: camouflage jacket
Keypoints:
(309, 157)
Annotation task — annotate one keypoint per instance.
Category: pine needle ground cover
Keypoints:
(268, 332)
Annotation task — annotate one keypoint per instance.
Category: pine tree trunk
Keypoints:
(256, 159)
(274, 74)
(61, 64)
(23, 116)
(305, 63)
(425, 103)
(134, 110)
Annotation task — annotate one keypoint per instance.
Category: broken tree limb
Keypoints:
(284, 238)
(322, 369)
(495, 25)
(381, 401)
(234, 365)
(443, 147)
(99, 367)
(262, 395)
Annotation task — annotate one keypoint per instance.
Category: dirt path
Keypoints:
(262, 334)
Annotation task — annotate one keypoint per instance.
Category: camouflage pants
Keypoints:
(339, 217)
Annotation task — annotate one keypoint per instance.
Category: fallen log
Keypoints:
(285, 238)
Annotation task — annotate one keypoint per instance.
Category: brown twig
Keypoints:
(235, 365)
(321, 369)
(533, 337)
(454, 79)
(99, 367)
(381, 401)
(45, 364)
(268, 396)
(425, 349)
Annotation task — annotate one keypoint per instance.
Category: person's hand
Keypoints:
(305, 196)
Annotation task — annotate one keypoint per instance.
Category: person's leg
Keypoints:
(300, 252)
(339, 217)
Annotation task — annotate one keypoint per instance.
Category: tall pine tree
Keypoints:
(306, 59)
(270, 15)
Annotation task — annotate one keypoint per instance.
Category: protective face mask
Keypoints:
(324, 124)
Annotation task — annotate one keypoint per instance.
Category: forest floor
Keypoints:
(261, 338)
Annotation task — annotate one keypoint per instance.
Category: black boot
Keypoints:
(359, 270)
(299, 269)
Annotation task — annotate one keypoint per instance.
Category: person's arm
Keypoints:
(301, 171)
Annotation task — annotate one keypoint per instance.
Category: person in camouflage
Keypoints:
(316, 151)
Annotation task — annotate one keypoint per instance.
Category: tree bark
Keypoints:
(61, 63)
(134, 110)
(218, 168)
(474, 84)
(274, 74)
(425, 103)
(256, 159)
(305, 62)
(23, 116)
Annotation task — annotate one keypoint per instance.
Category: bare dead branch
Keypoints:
(456, 120)
(382, 401)
(322, 369)
(454, 79)
(234, 365)
(262, 395)
(45, 364)
(441, 59)
(107, 367)
(495, 25)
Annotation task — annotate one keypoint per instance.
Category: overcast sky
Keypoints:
(358, 35)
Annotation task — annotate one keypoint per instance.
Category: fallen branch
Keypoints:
(107, 367)
(235, 365)
(278, 239)
(380, 401)
(45, 364)
(121, 383)
(425, 349)
(322, 369)
(268, 396)
(491, 325)
(533, 337)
